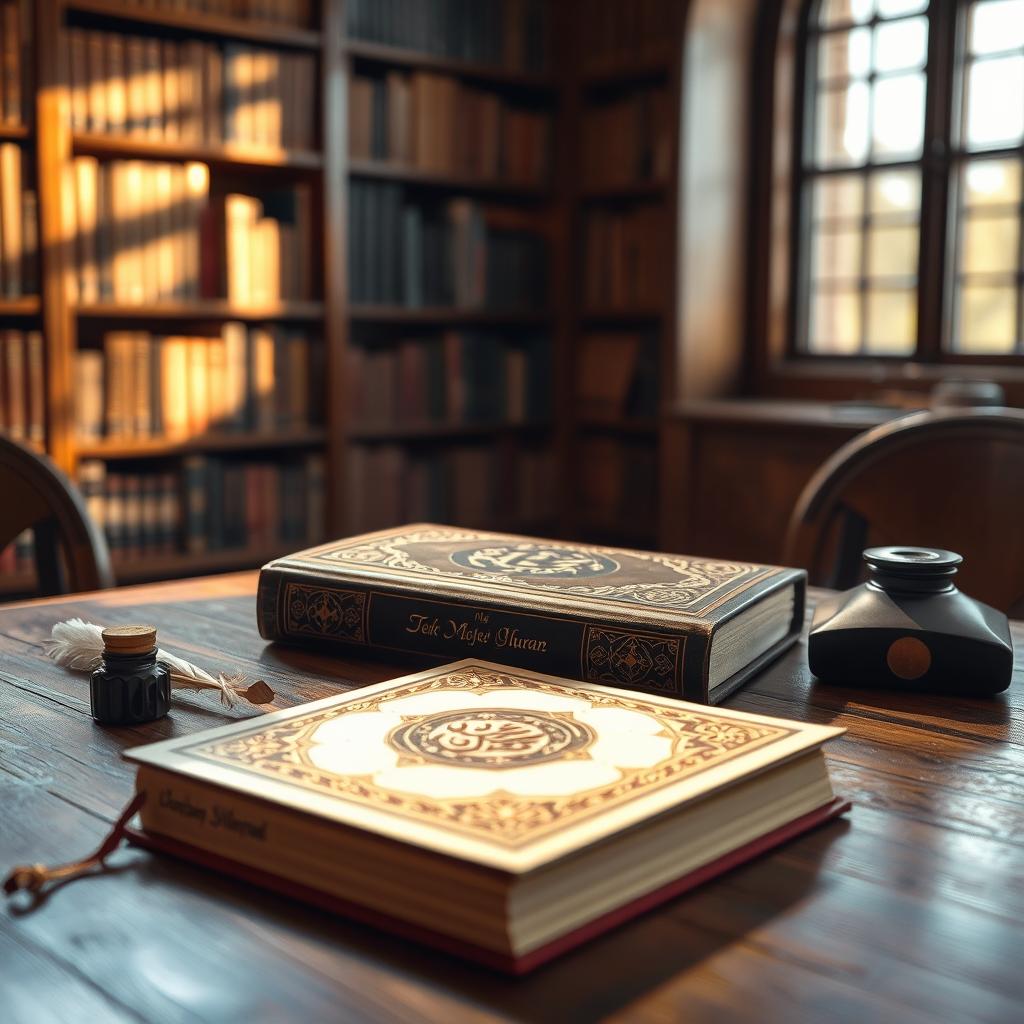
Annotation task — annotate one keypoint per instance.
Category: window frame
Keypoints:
(780, 229)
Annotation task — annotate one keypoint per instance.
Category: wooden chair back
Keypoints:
(932, 479)
(35, 495)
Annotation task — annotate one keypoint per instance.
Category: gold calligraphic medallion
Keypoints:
(492, 737)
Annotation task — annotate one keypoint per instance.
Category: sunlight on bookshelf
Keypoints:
(19, 224)
(267, 246)
(190, 90)
(15, 51)
(140, 385)
(149, 231)
(140, 228)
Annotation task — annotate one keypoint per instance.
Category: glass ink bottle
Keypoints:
(130, 686)
(909, 628)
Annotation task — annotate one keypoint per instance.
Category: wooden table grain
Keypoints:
(910, 909)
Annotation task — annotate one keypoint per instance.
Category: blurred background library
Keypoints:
(628, 272)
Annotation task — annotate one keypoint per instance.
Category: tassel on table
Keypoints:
(34, 878)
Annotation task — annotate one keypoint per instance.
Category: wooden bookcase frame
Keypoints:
(49, 138)
(60, 317)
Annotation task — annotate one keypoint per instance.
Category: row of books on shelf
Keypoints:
(625, 258)
(268, 246)
(458, 253)
(143, 385)
(148, 231)
(465, 485)
(460, 377)
(615, 33)
(211, 504)
(507, 33)
(618, 373)
(191, 91)
(282, 12)
(435, 123)
(15, 49)
(19, 225)
(628, 139)
(22, 386)
(617, 485)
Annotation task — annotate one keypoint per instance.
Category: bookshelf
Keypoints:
(521, 187)
(623, 83)
(498, 193)
(260, 164)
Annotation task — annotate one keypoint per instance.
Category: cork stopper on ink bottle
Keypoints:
(130, 686)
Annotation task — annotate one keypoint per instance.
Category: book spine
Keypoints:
(299, 608)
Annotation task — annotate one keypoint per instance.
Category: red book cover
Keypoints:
(445, 943)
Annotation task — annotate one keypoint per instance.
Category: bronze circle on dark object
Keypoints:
(909, 627)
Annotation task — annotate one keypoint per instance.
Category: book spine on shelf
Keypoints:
(11, 211)
(12, 44)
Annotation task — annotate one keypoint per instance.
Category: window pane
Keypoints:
(839, 195)
(843, 125)
(996, 26)
(841, 12)
(845, 54)
(892, 252)
(987, 319)
(899, 116)
(893, 192)
(896, 8)
(835, 323)
(836, 254)
(901, 44)
(991, 183)
(989, 245)
(995, 109)
(892, 322)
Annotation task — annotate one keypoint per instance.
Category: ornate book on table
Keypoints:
(505, 816)
(685, 627)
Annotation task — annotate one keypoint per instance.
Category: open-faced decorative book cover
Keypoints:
(487, 810)
(687, 627)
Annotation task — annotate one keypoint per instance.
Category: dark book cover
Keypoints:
(637, 619)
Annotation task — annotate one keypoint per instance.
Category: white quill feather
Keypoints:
(78, 645)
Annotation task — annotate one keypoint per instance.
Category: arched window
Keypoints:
(909, 239)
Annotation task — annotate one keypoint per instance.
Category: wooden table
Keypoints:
(912, 909)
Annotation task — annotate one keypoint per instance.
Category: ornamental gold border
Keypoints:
(577, 596)
(502, 818)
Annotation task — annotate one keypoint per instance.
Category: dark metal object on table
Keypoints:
(130, 686)
(910, 628)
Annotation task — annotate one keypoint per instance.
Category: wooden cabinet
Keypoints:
(732, 470)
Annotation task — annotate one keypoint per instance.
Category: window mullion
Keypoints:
(932, 309)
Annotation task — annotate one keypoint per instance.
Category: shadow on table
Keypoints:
(598, 979)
